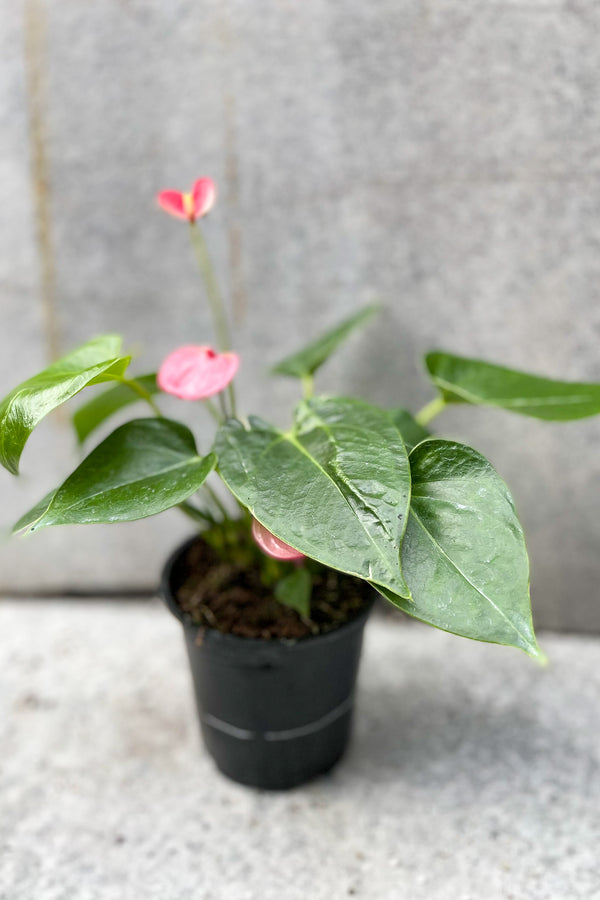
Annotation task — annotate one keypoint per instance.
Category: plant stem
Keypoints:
(143, 393)
(308, 386)
(231, 393)
(198, 515)
(216, 500)
(430, 411)
(223, 406)
(213, 411)
(213, 293)
(215, 300)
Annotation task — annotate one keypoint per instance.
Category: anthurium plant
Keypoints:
(348, 485)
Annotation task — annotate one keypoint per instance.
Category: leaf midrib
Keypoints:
(470, 583)
(24, 391)
(292, 440)
(116, 487)
(577, 399)
(331, 438)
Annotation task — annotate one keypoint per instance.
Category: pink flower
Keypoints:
(194, 373)
(190, 206)
(272, 545)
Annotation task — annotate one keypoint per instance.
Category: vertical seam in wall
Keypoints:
(34, 35)
(232, 175)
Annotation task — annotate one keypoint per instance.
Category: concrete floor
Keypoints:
(473, 773)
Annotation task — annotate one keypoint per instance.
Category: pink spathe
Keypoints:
(272, 545)
(190, 206)
(196, 372)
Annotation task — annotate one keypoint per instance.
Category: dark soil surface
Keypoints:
(217, 594)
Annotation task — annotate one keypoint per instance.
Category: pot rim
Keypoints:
(236, 641)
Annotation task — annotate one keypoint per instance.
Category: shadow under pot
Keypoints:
(273, 713)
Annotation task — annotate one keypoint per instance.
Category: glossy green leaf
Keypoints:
(34, 514)
(142, 468)
(412, 433)
(306, 362)
(462, 380)
(27, 404)
(294, 591)
(336, 487)
(92, 414)
(464, 554)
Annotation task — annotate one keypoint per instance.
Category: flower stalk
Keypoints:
(215, 299)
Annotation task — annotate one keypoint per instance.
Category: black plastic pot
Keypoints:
(273, 713)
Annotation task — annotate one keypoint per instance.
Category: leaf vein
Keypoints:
(106, 491)
(469, 582)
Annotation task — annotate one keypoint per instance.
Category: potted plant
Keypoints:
(351, 500)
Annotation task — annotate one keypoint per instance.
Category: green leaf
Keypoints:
(464, 553)
(462, 380)
(142, 468)
(27, 404)
(294, 591)
(35, 514)
(92, 414)
(412, 433)
(306, 362)
(336, 487)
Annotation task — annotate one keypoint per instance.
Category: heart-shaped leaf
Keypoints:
(92, 414)
(462, 380)
(336, 487)
(142, 468)
(306, 362)
(412, 433)
(464, 554)
(27, 404)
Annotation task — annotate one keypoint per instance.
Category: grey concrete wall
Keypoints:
(440, 156)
